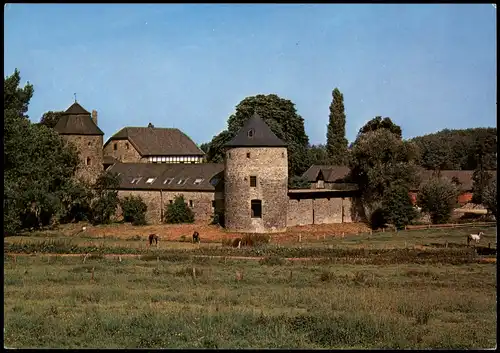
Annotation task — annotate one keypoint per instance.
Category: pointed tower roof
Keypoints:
(76, 109)
(255, 133)
(77, 121)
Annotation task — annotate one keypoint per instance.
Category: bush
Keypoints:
(179, 212)
(218, 218)
(106, 198)
(397, 206)
(490, 197)
(134, 210)
(298, 182)
(438, 198)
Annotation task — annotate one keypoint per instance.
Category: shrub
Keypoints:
(179, 212)
(397, 206)
(438, 197)
(298, 182)
(218, 218)
(480, 181)
(106, 198)
(490, 197)
(134, 210)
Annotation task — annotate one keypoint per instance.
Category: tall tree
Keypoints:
(378, 123)
(318, 154)
(379, 160)
(50, 118)
(336, 142)
(281, 116)
(38, 163)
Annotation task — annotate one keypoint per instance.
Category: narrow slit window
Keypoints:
(88, 160)
(126, 145)
(256, 208)
(248, 154)
(115, 146)
(190, 203)
(253, 181)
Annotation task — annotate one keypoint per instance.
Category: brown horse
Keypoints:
(153, 237)
(196, 237)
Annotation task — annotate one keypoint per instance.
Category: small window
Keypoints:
(282, 154)
(198, 181)
(136, 180)
(250, 133)
(88, 160)
(321, 184)
(170, 201)
(115, 146)
(150, 180)
(190, 203)
(126, 145)
(248, 154)
(253, 181)
(213, 203)
(89, 143)
(168, 180)
(229, 155)
(256, 208)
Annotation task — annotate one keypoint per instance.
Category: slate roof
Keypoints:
(153, 141)
(77, 121)
(261, 135)
(463, 176)
(331, 174)
(193, 177)
(334, 174)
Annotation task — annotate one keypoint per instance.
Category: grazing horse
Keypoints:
(196, 237)
(153, 237)
(475, 237)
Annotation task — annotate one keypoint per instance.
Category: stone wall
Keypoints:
(300, 212)
(158, 200)
(90, 154)
(123, 153)
(304, 210)
(270, 166)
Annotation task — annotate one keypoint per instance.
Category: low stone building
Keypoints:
(152, 145)
(250, 188)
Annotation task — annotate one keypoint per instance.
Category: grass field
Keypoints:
(399, 301)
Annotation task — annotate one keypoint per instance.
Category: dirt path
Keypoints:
(254, 258)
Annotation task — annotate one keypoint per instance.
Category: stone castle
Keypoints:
(250, 188)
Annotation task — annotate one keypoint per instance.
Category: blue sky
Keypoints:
(427, 67)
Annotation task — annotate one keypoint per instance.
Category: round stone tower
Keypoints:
(256, 180)
(79, 127)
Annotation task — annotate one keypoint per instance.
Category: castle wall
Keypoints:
(90, 150)
(122, 153)
(156, 200)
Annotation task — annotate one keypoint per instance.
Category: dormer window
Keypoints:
(198, 181)
(168, 180)
(136, 180)
(251, 133)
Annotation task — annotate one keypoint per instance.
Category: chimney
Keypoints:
(94, 116)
